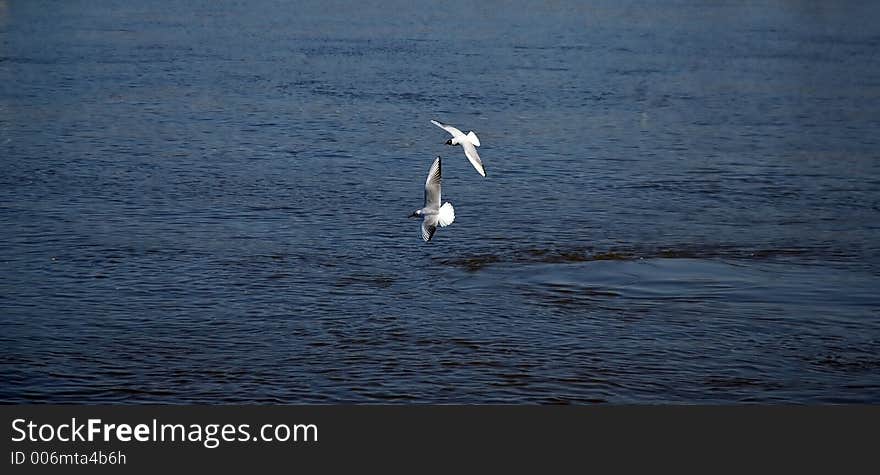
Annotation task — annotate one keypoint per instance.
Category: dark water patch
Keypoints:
(472, 363)
(736, 383)
(568, 295)
(371, 280)
(23, 60)
(562, 400)
(637, 72)
(562, 256)
(847, 363)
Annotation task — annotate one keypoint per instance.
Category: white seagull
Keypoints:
(468, 142)
(433, 214)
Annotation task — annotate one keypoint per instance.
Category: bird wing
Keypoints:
(473, 138)
(429, 227)
(452, 130)
(471, 152)
(432, 186)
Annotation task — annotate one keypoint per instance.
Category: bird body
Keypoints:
(469, 142)
(433, 214)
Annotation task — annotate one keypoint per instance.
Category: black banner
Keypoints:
(410, 439)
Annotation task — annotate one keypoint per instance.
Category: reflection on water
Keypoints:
(208, 204)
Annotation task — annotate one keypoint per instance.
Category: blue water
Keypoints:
(206, 202)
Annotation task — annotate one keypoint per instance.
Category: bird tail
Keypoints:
(473, 138)
(446, 215)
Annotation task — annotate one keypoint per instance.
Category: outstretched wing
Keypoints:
(452, 130)
(473, 138)
(471, 152)
(432, 186)
(428, 229)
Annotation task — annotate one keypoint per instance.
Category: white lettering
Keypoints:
(123, 432)
(93, 428)
(19, 429)
(142, 433)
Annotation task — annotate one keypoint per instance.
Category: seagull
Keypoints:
(468, 142)
(433, 214)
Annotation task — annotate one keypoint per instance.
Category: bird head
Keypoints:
(449, 142)
(416, 214)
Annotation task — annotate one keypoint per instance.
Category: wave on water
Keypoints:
(554, 255)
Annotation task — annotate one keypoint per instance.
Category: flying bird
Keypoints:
(468, 142)
(433, 214)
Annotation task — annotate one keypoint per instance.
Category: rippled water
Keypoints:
(206, 202)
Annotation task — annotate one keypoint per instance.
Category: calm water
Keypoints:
(207, 202)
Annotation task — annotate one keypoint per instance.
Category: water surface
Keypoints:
(206, 202)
